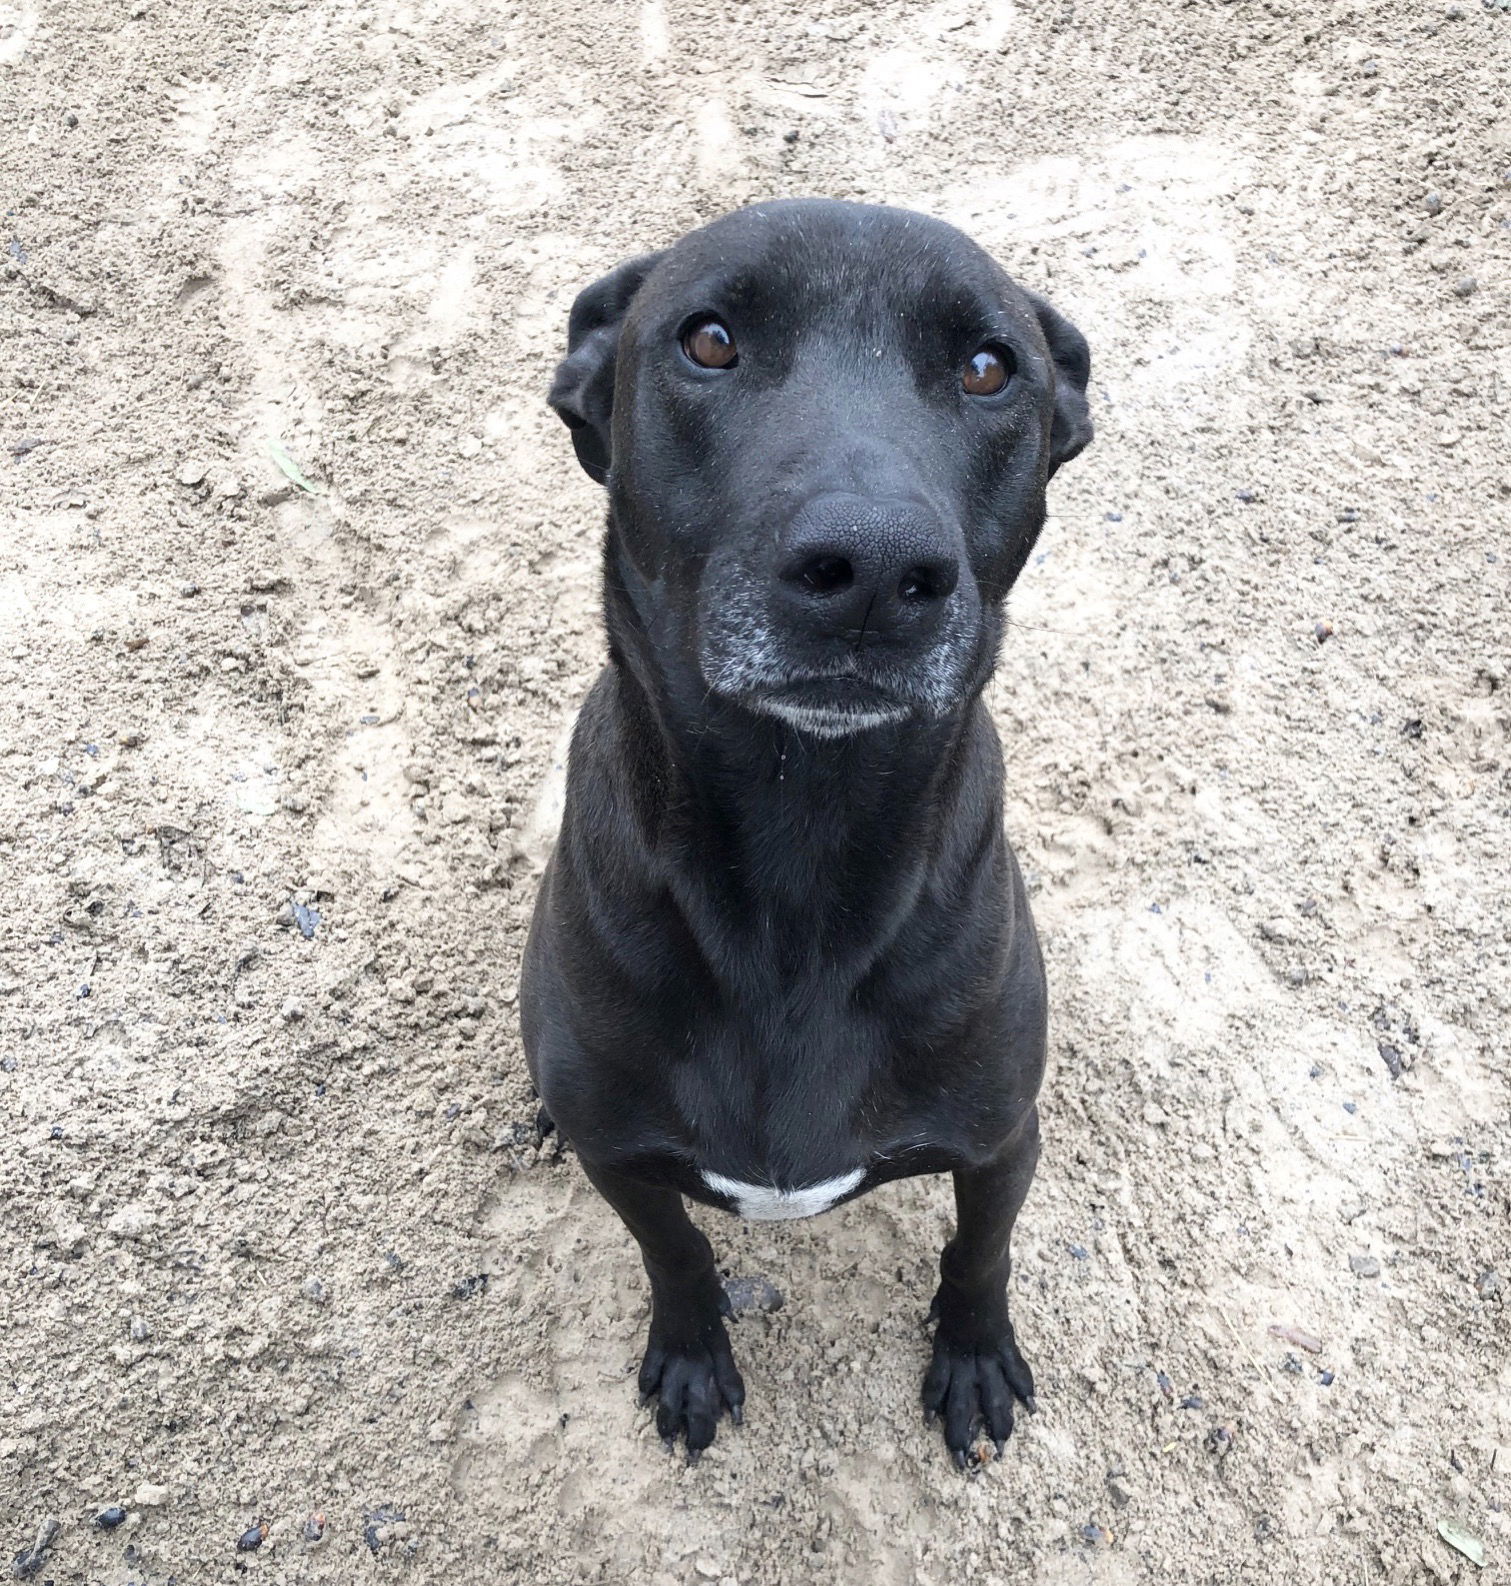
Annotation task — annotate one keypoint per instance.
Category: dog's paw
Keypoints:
(974, 1385)
(693, 1385)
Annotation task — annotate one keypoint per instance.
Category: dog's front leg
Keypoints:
(688, 1366)
(977, 1369)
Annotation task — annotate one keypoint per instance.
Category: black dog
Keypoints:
(783, 953)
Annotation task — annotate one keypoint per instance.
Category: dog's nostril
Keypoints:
(926, 583)
(823, 575)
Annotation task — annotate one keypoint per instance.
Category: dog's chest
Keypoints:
(766, 1203)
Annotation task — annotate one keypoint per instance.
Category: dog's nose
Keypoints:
(848, 566)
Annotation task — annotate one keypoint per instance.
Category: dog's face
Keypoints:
(826, 430)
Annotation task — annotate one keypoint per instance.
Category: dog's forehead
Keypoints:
(848, 257)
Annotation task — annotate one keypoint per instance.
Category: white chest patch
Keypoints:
(763, 1204)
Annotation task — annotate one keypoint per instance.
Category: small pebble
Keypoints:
(139, 1330)
(1326, 1379)
(1465, 286)
(1193, 1401)
(193, 472)
(1433, 203)
(1489, 1284)
(188, 590)
(151, 1495)
(384, 1525)
(1364, 1266)
(314, 1291)
(109, 1519)
(314, 1529)
(1323, 631)
(293, 1010)
(30, 1560)
(753, 1294)
(1296, 1336)
(253, 1537)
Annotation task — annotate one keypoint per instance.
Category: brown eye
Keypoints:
(987, 372)
(709, 344)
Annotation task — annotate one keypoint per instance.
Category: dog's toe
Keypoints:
(973, 1389)
(693, 1385)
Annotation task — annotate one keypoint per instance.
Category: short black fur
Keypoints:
(782, 939)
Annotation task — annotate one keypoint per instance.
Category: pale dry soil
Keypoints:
(277, 1239)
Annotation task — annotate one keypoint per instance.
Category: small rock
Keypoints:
(1465, 286)
(306, 918)
(314, 1530)
(31, 1559)
(314, 1291)
(1120, 1493)
(753, 1294)
(383, 1525)
(292, 1010)
(151, 1495)
(469, 446)
(439, 1432)
(1323, 631)
(131, 1222)
(1364, 1266)
(139, 1330)
(188, 590)
(253, 1537)
(193, 471)
(1489, 1284)
(1433, 203)
(109, 1519)
(400, 991)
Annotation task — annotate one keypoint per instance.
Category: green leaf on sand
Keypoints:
(290, 468)
(1465, 1541)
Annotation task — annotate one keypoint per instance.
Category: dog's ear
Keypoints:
(583, 391)
(1071, 432)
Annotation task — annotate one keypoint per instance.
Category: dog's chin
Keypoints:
(829, 707)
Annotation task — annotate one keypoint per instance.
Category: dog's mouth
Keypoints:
(830, 707)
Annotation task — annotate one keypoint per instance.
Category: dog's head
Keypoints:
(826, 429)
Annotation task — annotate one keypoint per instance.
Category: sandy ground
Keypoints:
(277, 773)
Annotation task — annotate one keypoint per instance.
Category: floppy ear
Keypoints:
(583, 391)
(1071, 431)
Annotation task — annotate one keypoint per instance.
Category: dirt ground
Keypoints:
(278, 771)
